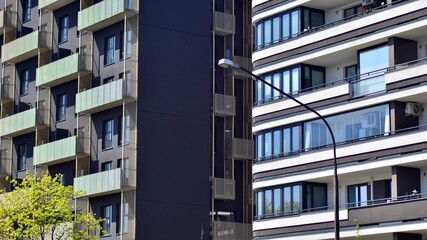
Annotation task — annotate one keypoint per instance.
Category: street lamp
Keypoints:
(226, 63)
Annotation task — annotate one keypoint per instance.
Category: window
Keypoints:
(61, 178)
(351, 73)
(25, 80)
(126, 44)
(108, 80)
(22, 157)
(26, 8)
(107, 214)
(286, 80)
(107, 166)
(278, 142)
(107, 140)
(290, 199)
(125, 218)
(123, 133)
(109, 49)
(286, 25)
(61, 108)
(352, 11)
(312, 77)
(347, 127)
(373, 63)
(358, 195)
(63, 28)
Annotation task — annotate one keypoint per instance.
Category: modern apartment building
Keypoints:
(124, 99)
(361, 64)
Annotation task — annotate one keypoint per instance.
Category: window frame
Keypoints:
(109, 51)
(22, 157)
(107, 215)
(24, 81)
(64, 25)
(26, 10)
(61, 107)
(107, 134)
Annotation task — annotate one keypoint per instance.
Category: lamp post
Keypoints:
(226, 63)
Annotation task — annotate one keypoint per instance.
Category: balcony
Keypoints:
(7, 92)
(104, 183)
(224, 105)
(246, 63)
(5, 163)
(224, 23)
(53, 4)
(63, 70)
(243, 149)
(106, 13)
(8, 20)
(23, 122)
(26, 47)
(106, 96)
(407, 70)
(224, 188)
(231, 230)
(59, 151)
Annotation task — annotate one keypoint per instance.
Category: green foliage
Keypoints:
(358, 237)
(41, 207)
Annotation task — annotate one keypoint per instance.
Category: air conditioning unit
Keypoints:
(412, 109)
(367, 2)
(370, 120)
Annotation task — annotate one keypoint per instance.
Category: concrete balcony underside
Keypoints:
(104, 183)
(53, 4)
(58, 151)
(23, 123)
(26, 47)
(105, 13)
(63, 70)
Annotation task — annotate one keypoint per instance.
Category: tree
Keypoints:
(40, 208)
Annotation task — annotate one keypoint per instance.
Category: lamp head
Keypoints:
(227, 63)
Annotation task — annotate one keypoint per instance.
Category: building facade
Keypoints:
(361, 64)
(124, 99)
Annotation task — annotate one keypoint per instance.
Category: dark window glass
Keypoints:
(108, 80)
(352, 11)
(107, 214)
(107, 166)
(358, 195)
(125, 44)
(25, 80)
(26, 8)
(110, 46)
(61, 111)
(120, 128)
(108, 128)
(63, 28)
(22, 156)
(351, 73)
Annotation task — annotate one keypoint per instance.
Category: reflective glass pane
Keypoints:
(316, 19)
(277, 142)
(294, 22)
(259, 204)
(276, 83)
(295, 80)
(267, 144)
(276, 29)
(285, 25)
(267, 89)
(267, 32)
(259, 35)
(363, 195)
(268, 199)
(259, 144)
(287, 199)
(295, 138)
(296, 194)
(277, 202)
(259, 91)
(286, 82)
(317, 77)
(287, 140)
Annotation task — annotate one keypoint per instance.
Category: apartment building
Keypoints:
(360, 64)
(124, 99)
